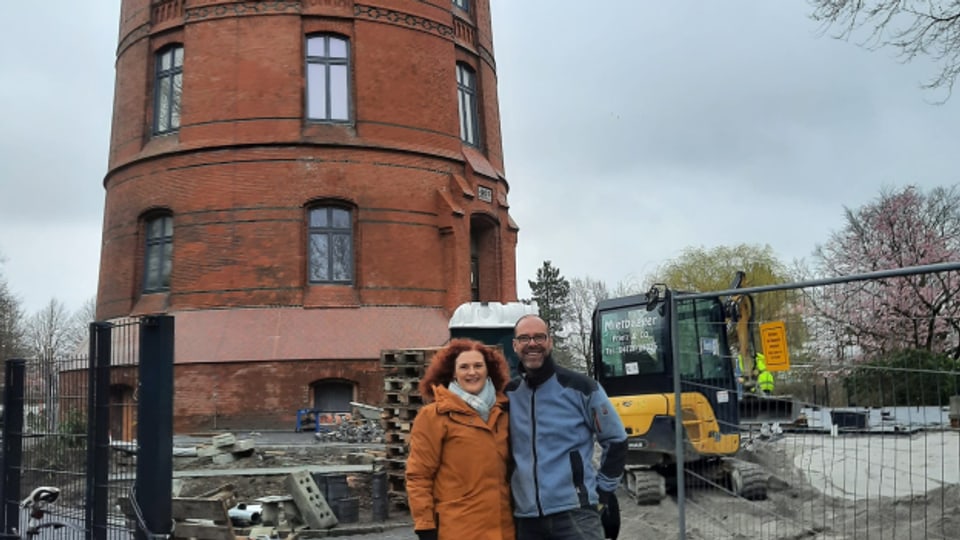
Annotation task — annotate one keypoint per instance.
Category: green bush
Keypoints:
(904, 378)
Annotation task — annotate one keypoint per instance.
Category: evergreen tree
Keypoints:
(551, 292)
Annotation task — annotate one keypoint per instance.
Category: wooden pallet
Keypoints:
(399, 413)
(205, 517)
(392, 399)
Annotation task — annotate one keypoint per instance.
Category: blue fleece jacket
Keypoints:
(555, 416)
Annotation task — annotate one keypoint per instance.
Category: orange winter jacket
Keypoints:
(457, 470)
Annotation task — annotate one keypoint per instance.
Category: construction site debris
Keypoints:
(352, 431)
(245, 515)
(224, 448)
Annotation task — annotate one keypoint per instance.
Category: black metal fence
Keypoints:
(96, 426)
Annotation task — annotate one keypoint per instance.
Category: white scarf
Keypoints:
(482, 402)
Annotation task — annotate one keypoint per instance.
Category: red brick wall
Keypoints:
(237, 175)
(245, 164)
(242, 395)
(262, 395)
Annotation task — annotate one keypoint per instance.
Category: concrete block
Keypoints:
(310, 501)
(242, 448)
(271, 508)
(224, 458)
(208, 451)
(224, 439)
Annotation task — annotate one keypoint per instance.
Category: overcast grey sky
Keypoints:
(631, 129)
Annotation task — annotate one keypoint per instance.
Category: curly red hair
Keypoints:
(443, 364)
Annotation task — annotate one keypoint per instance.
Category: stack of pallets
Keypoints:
(402, 371)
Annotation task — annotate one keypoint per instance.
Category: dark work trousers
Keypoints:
(577, 524)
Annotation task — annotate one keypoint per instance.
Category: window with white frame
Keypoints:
(168, 89)
(328, 78)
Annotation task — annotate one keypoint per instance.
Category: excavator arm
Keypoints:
(739, 310)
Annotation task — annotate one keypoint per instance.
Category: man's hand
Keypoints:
(427, 534)
(609, 514)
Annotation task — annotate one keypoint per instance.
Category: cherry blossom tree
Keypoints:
(902, 228)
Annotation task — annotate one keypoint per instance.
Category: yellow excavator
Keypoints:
(634, 361)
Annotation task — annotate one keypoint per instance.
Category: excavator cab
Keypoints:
(634, 361)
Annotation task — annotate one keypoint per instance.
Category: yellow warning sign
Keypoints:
(773, 339)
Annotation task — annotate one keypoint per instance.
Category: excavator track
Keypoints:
(646, 486)
(747, 480)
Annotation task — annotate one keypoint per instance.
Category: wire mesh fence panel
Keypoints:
(852, 434)
(121, 412)
(78, 434)
(53, 439)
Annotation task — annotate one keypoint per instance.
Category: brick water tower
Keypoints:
(302, 184)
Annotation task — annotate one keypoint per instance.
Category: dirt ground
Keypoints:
(794, 508)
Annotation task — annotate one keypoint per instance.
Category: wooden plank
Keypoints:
(201, 531)
(213, 509)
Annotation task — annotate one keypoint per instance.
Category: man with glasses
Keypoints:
(555, 416)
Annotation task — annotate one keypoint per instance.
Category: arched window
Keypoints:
(158, 253)
(168, 89)
(330, 240)
(467, 104)
(328, 78)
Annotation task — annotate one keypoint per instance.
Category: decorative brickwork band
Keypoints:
(242, 8)
(165, 10)
(405, 19)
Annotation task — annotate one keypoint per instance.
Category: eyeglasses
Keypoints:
(539, 339)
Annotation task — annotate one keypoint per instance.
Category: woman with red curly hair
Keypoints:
(457, 483)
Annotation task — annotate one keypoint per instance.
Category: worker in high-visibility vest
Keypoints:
(765, 382)
(764, 378)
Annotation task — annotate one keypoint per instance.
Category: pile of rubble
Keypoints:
(313, 505)
(354, 431)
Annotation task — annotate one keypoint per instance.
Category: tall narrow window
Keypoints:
(328, 78)
(168, 90)
(474, 279)
(462, 4)
(331, 245)
(467, 102)
(159, 254)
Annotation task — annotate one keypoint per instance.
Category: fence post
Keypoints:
(678, 416)
(98, 430)
(154, 482)
(12, 447)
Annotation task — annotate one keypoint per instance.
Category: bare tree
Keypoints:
(930, 29)
(12, 342)
(584, 295)
(80, 322)
(52, 335)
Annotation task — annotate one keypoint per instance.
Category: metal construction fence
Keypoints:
(74, 424)
(868, 451)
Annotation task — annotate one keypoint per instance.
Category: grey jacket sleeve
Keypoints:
(612, 438)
